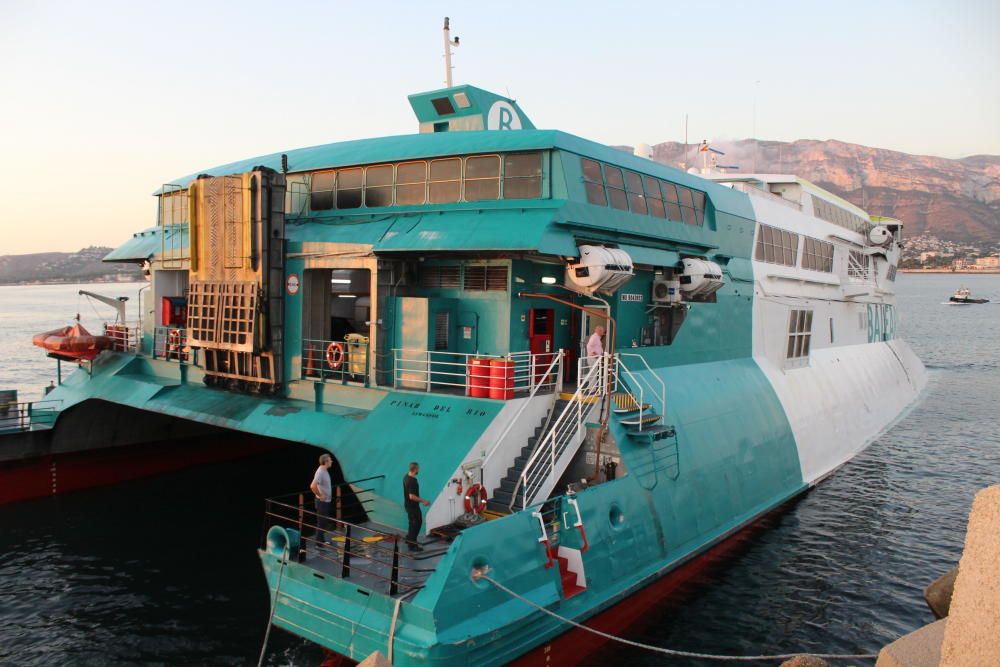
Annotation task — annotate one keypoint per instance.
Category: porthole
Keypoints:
(616, 517)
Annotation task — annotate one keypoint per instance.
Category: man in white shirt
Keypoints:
(322, 488)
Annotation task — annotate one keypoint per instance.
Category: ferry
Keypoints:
(430, 298)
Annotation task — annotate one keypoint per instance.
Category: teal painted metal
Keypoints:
(148, 243)
(480, 103)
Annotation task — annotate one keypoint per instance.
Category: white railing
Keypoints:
(656, 390)
(540, 472)
(553, 368)
(475, 374)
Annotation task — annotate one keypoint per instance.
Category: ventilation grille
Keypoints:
(486, 278)
(440, 277)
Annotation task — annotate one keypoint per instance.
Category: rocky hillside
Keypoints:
(956, 200)
(64, 267)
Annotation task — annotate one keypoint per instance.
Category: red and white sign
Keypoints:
(292, 284)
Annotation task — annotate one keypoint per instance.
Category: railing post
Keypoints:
(345, 557)
(301, 524)
(394, 577)
(338, 512)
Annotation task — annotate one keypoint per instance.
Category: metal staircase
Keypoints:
(638, 401)
(551, 455)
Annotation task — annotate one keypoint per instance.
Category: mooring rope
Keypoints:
(274, 606)
(669, 651)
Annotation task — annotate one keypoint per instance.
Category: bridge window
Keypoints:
(378, 185)
(321, 190)
(673, 203)
(349, 183)
(522, 176)
(594, 182)
(687, 206)
(616, 187)
(411, 183)
(776, 246)
(699, 205)
(636, 198)
(654, 199)
(817, 255)
(445, 184)
(482, 177)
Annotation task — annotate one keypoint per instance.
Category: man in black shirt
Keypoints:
(412, 502)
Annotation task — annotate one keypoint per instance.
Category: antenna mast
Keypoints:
(448, 43)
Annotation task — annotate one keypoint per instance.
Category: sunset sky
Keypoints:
(102, 102)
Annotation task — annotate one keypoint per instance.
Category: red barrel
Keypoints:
(479, 377)
(502, 379)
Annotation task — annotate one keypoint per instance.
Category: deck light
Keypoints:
(548, 280)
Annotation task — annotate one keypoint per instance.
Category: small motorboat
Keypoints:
(73, 343)
(963, 295)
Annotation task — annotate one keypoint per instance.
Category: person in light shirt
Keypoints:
(595, 350)
(595, 346)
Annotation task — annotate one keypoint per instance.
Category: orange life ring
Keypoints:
(475, 499)
(335, 355)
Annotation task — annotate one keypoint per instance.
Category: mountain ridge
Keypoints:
(956, 199)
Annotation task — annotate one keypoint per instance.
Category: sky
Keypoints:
(102, 102)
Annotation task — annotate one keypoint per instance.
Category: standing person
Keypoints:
(595, 351)
(412, 502)
(322, 488)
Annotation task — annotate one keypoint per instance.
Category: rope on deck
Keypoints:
(668, 651)
(274, 606)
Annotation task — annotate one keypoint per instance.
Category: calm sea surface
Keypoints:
(164, 570)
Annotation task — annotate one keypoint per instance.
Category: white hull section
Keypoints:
(853, 378)
(844, 399)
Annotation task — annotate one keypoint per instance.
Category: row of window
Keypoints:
(838, 216)
(471, 277)
(779, 246)
(776, 246)
(440, 181)
(817, 255)
(638, 193)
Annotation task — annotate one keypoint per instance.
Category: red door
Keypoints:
(541, 338)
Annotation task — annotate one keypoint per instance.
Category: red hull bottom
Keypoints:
(59, 473)
(574, 646)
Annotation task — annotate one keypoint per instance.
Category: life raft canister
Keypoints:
(335, 355)
(475, 499)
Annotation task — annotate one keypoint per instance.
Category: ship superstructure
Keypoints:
(429, 298)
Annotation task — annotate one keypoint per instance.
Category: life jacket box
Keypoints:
(174, 311)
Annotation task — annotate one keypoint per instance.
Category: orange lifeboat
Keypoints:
(72, 342)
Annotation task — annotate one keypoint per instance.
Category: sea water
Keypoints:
(165, 570)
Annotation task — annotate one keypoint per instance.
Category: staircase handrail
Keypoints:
(556, 360)
(659, 380)
(639, 400)
(551, 436)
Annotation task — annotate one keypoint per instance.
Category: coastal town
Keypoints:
(927, 253)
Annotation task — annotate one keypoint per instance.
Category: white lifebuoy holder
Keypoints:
(335, 355)
(475, 499)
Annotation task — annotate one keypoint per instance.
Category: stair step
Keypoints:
(507, 485)
(646, 419)
(630, 409)
(655, 432)
(502, 496)
(498, 513)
